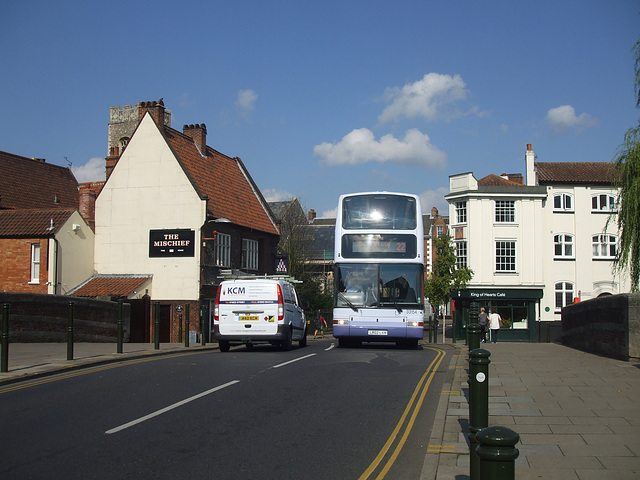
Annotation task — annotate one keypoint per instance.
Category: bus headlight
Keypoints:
(414, 324)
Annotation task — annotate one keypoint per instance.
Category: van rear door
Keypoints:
(248, 308)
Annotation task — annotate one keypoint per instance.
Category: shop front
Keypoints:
(517, 308)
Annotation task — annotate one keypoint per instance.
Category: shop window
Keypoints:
(505, 256)
(505, 211)
(514, 314)
(563, 246)
(223, 250)
(564, 295)
(562, 202)
(249, 254)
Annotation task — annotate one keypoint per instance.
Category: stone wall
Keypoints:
(608, 325)
(44, 318)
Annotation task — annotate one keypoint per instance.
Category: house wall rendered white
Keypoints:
(148, 190)
(72, 262)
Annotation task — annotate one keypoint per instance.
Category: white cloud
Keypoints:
(360, 146)
(246, 100)
(274, 195)
(92, 171)
(564, 117)
(434, 198)
(333, 213)
(429, 98)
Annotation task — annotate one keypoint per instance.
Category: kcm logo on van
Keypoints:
(235, 290)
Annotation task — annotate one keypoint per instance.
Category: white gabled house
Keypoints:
(534, 247)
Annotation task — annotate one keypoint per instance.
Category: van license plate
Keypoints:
(249, 318)
(377, 332)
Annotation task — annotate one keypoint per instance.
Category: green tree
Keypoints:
(627, 180)
(447, 277)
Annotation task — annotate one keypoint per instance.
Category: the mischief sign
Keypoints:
(171, 243)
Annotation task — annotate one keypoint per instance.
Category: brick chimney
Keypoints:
(87, 204)
(312, 215)
(434, 212)
(198, 133)
(155, 109)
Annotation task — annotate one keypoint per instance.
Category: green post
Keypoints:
(202, 339)
(5, 338)
(430, 333)
(180, 328)
(453, 327)
(186, 325)
(497, 452)
(70, 333)
(473, 331)
(478, 403)
(119, 348)
(156, 331)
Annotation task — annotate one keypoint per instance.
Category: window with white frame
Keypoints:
(249, 254)
(603, 203)
(461, 254)
(461, 212)
(439, 230)
(505, 256)
(505, 211)
(562, 202)
(563, 246)
(35, 263)
(223, 250)
(564, 295)
(604, 246)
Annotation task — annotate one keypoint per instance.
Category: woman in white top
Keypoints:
(494, 325)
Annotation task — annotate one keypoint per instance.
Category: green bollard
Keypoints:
(497, 452)
(4, 367)
(70, 333)
(202, 339)
(473, 331)
(478, 404)
(156, 331)
(430, 333)
(186, 325)
(180, 328)
(119, 347)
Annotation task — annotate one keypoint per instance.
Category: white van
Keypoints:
(258, 310)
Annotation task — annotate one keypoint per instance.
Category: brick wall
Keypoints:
(44, 318)
(15, 265)
(608, 325)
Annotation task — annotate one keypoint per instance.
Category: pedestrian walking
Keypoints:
(494, 324)
(321, 324)
(483, 319)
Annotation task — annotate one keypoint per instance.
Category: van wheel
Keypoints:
(303, 340)
(287, 343)
(223, 345)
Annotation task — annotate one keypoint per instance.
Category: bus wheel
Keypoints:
(223, 345)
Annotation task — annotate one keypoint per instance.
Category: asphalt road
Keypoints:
(311, 413)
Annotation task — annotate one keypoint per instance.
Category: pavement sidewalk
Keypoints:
(32, 360)
(577, 414)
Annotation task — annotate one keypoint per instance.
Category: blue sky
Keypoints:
(321, 98)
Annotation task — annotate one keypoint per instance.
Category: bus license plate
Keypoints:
(249, 318)
(377, 332)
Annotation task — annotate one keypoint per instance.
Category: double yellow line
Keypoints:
(415, 403)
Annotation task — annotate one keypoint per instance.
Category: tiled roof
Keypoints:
(497, 181)
(110, 286)
(574, 172)
(231, 190)
(32, 223)
(27, 183)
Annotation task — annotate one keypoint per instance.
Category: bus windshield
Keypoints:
(378, 285)
(379, 212)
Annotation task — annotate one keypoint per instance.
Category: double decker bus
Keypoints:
(379, 264)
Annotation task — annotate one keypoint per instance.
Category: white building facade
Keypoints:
(536, 247)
